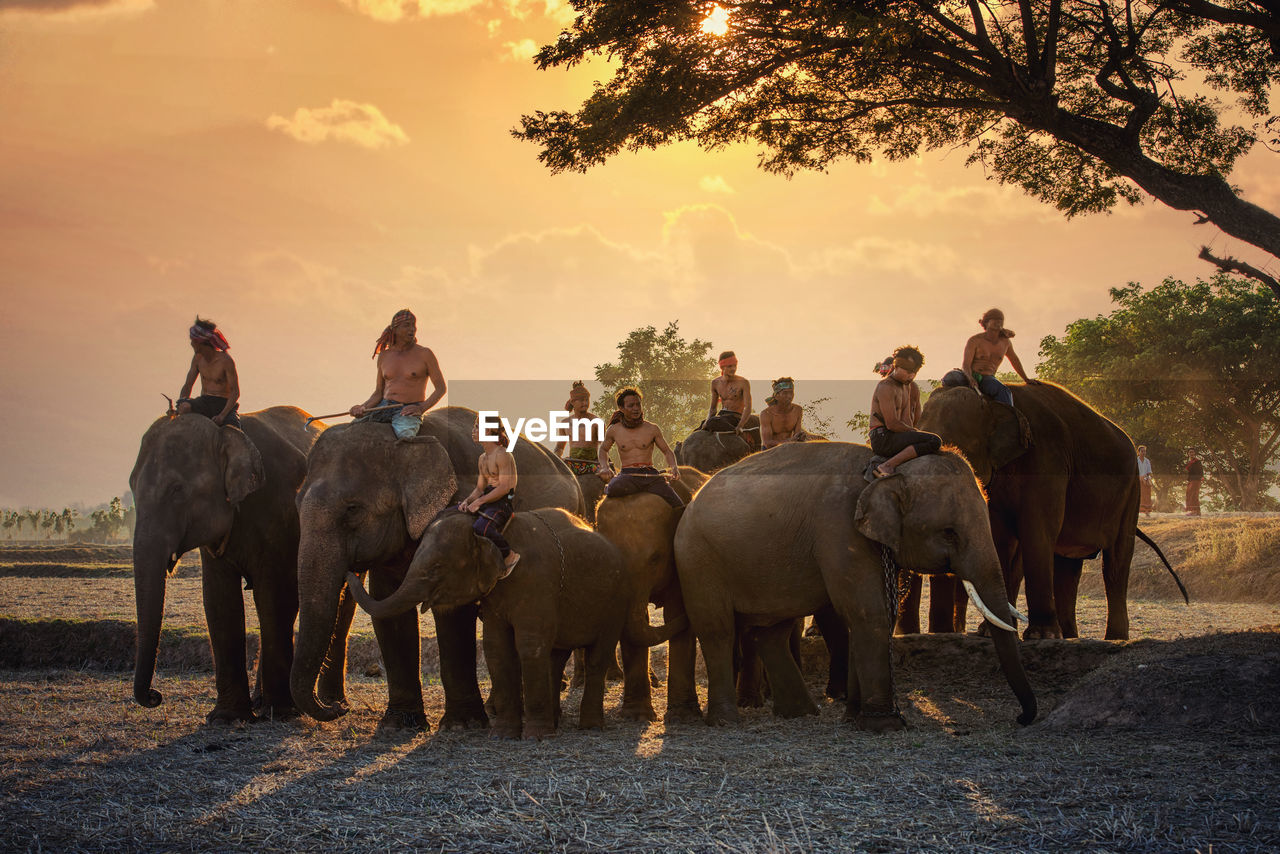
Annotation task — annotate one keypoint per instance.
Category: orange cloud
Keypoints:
(396, 10)
(73, 10)
(344, 121)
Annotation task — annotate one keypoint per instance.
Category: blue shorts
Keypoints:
(405, 426)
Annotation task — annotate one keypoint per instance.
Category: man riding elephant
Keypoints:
(744, 565)
(582, 446)
(229, 493)
(365, 503)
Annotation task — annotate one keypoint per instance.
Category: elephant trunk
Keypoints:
(1005, 638)
(153, 557)
(321, 571)
(411, 592)
(638, 630)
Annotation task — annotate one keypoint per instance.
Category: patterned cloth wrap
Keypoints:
(582, 461)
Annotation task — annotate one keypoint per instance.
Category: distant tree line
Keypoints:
(110, 522)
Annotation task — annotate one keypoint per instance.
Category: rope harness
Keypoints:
(559, 545)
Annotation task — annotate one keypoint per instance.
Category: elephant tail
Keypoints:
(1142, 536)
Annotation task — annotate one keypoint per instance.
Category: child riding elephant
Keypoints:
(570, 592)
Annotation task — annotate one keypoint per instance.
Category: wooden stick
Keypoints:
(366, 412)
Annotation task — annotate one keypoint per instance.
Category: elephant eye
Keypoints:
(951, 535)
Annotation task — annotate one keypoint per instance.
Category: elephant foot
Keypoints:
(638, 711)
(229, 715)
(794, 708)
(837, 692)
(591, 721)
(721, 716)
(278, 713)
(682, 713)
(537, 732)
(750, 699)
(1041, 631)
(399, 719)
(454, 719)
(507, 732)
(880, 723)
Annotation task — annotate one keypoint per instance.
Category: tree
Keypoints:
(1082, 103)
(671, 373)
(10, 519)
(1182, 366)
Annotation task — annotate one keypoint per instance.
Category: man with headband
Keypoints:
(404, 366)
(582, 451)
(732, 394)
(780, 420)
(983, 354)
(219, 385)
(636, 439)
(895, 409)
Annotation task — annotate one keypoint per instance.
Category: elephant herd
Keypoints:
(315, 521)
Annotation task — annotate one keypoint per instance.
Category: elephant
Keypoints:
(569, 590)
(592, 486)
(1062, 497)
(710, 452)
(229, 493)
(642, 527)
(788, 532)
(365, 502)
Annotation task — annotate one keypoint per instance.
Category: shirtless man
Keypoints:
(636, 439)
(494, 492)
(983, 354)
(732, 394)
(404, 366)
(895, 409)
(780, 420)
(219, 385)
(582, 451)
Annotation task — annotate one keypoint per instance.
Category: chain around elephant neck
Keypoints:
(892, 576)
(891, 571)
(559, 545)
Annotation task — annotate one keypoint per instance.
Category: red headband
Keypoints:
(724, 363)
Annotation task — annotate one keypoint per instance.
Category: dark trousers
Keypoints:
(633, 479)
(491, 518)
(992, 387)
(209, 406)
(724, 421)
(886, 443)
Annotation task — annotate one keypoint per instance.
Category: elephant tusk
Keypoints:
(981, 606)
(1021, 617)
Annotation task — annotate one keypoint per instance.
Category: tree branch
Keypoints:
(1231, 265)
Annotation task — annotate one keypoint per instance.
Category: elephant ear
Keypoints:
(427, 481)
(880, 511)
(242, 471)
(488, 568)
(678, 450)
(1010, 434)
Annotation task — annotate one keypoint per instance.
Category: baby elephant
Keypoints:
(568, 591)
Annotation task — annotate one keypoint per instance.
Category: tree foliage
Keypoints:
(673, 375)
(1079, 102)
(1186, 366)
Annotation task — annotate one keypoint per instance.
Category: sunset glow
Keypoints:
(716, 23)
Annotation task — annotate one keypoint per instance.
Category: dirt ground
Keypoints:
(1167, 742)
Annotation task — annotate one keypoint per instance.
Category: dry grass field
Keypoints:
(1164, 743)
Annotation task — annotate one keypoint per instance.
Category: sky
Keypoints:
(299, 170)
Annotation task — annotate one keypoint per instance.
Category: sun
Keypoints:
(716, 23)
